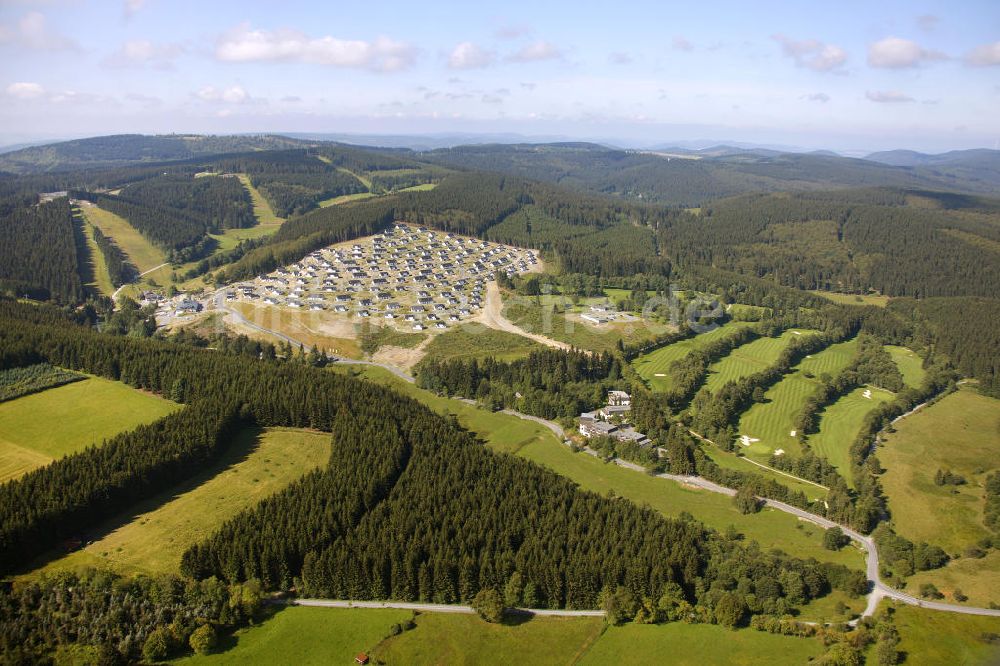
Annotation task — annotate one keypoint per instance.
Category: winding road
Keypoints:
(436, 608)
(879, 590)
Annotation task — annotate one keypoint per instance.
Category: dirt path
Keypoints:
(492, 316)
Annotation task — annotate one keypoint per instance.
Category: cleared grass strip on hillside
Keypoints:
(654, 367)
(750, 358)
(261, 208)
(141, 252)
(772, 422)
(153, 535)
(67, 419)
(840, 423)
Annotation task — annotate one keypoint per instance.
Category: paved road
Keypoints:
(879, 590)
(436, 608)
(114, 296)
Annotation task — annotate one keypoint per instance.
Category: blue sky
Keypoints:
(846, 75)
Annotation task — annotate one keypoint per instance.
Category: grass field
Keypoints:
(542, 319)
(261, 208)
(654, 367)
(365, 180)
(140, 252)
(772, 421)
(344, 198)
(465, 639)
(303, 636)
(749, 358)
(840, 423)
(978, 579)
(854, 299)
(39, 428)
(502, 432)
(961, 432)
(425, 187)
(910, 365)
(152, 536)
(474, 341)
(771, 528)
(98, 267)
(728, 460)
(933, 638)
(698, 644)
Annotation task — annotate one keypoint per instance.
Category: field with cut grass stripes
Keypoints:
(750, 358)
(654, 367)
(772, 421)
(840, 423)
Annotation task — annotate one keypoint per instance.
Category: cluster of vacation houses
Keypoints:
(422, 277)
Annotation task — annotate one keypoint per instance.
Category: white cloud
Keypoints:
(25, 90)
(33, 32)
(888, 97)
(469, 56)
(812, 53)
(536, 51)
(242, 44)
(680, 43)
(984, 56)
(898, 53)
(817, 97)
(619, 58)
(231, 95)
(141, 52)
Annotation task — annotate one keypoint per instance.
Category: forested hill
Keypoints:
(123, 149)
(693, 179)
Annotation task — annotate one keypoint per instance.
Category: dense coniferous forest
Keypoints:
(218, 203)
(38, 251)
(395, 465)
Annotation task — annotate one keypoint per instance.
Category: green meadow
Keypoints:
(840, 423)
(654, 367)
(747, 359)
(39, 428)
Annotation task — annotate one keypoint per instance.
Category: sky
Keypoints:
(849, 76)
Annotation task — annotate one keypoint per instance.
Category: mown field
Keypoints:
(910, 365)
(303, 636)
(140, 252)
(946, 639)
(773, 420)
(466, 639)
(728, 460)
(39, 428)
(698, 644)
(151, 537)
(654, 367)
(961, 433)
(530, 440)
(749, 358)
(474, 341)
(840, 423)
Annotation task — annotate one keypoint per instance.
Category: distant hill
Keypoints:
(911, 158)
(690, 177)
(123, 149)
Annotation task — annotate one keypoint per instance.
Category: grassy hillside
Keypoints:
(153, 535)
(840, 423)
(749, 358)
(698, 644)
(910, 365)
(960, 433)
(502, 432)
(140, 251)
(465, 639)
(945, 639)
(475, 341)
(304, 636)
(38, 428)
(654, 366)
(772, 421)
